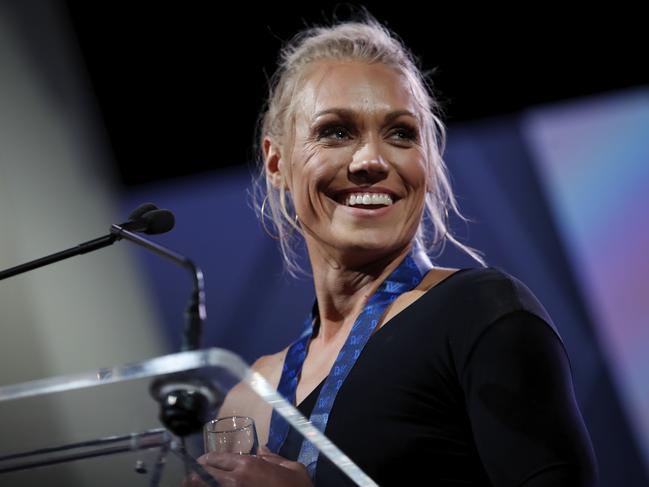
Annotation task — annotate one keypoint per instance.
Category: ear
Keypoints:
(273, 162)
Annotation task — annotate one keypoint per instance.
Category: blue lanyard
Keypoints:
(404, 278)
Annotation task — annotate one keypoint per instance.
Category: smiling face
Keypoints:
(356, 169)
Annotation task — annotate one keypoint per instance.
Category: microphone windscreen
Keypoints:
(158, 221)
(141, 210)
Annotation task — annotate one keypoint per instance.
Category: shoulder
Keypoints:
(487, 294)
(476, 299)
(270, 366)
(241, 400)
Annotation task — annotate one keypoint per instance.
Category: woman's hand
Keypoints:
(264, 470)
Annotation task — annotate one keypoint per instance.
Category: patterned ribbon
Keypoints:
(404, 278)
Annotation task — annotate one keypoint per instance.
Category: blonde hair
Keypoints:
(370, 42)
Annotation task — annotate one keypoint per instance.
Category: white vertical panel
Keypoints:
(79, 314)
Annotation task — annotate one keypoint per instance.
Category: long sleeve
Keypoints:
(521, 404)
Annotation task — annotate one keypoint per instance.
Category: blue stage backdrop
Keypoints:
(510, 176)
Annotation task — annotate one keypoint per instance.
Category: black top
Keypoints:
(468, 386)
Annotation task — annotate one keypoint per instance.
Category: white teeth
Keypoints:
(369, 199)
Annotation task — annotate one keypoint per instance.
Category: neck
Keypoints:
(343, 288)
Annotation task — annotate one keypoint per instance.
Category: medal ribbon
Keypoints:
(404, 278)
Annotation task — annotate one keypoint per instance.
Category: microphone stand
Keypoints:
(82, 248)
(184, 398)
(195, 314)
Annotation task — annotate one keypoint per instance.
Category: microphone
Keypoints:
(141, 210)
(185, 399)
(147, 218)
(152, 222)
(157, 221)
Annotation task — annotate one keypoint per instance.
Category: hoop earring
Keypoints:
(296, 222)
(263, 222)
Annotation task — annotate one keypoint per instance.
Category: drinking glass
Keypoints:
(231, 434)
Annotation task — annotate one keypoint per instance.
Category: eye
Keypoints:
(334, 132)
(404, 133)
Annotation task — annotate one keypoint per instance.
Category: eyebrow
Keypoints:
(350, 114)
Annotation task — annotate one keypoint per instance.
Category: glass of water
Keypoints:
(231, 434)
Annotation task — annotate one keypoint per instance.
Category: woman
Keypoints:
(423, 375)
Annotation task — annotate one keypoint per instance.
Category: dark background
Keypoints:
(179, 85)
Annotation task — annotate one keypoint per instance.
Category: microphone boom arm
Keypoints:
(184, 399)
(82, 248)
(159, 221)
(196, 311)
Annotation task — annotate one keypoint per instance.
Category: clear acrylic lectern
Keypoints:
(131, 448)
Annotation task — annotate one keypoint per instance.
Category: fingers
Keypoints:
(222, 461)
(269, 456)
(264, 453)
(266, 469)
(194, 479)
(275, 459)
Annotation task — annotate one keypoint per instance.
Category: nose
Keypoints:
(368, 168)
